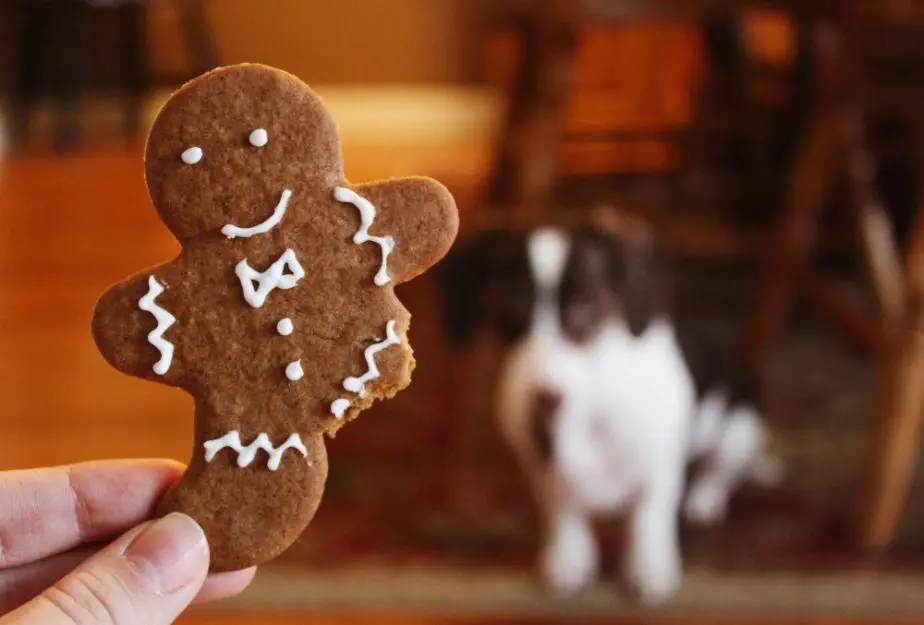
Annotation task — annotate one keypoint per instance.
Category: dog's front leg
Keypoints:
(569, 558)
(653, 563)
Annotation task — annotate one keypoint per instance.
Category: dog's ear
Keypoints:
(464, 279)
(636, 266)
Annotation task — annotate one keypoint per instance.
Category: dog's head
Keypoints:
(577, 278)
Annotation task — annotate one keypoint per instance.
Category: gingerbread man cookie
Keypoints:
(279, 314)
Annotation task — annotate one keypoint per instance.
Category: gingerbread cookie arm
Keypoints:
(135, 329)
(387, 361)
(417, 214)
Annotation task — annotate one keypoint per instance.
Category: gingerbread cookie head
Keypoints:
(279, 315)
(223, 140)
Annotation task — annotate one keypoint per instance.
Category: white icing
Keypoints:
(339, 407)
(258, 138)
(231, 231)
(164, 321)
(272, 278)
(367, 217)
(294, 370)
(285, 327)
(245, 455)
(192, 155)
(358, 385)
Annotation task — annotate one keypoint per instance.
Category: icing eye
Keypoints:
(258, 138)
(191, 156)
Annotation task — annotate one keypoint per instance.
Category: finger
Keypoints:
(223, 585)
(19, 585)
(25, 582)
(49, 511)
(148, 576)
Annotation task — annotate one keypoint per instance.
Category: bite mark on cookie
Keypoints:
(358, 384)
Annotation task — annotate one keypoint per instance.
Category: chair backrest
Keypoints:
(631, 88)
(885, 41)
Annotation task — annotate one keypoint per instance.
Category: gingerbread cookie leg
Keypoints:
(253, 492)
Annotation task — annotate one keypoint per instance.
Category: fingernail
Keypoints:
(169, 552)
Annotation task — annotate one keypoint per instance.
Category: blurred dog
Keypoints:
(606, 392)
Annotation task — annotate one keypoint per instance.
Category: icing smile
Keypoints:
(231, 231)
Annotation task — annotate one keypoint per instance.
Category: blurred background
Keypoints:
(776, 146)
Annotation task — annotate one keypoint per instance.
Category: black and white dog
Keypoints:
(605, 396)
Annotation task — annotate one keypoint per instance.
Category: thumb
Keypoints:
(146, 577)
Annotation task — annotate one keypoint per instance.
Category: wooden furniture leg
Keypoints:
(134, 63)
(71, 45)
(525, 170)
(900, 408)
(877, 243)
(726, 62)
(197, 36)
(472, 401)
(815, 169)
(33, 37)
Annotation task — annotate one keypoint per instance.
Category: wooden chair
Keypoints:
(717, 131)
(575, 97)
(63, 27)
(856, 54)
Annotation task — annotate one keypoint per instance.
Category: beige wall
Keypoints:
(339, 41)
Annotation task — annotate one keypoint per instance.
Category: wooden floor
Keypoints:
(654, 620)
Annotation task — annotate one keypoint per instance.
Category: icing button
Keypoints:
(339, 407)
(294, 371)
(258, 138)
(192, 155)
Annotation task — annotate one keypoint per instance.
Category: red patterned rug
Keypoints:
(423, 480)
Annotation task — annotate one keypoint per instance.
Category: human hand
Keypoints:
(54, 569)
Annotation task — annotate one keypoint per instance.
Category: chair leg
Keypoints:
(877, 242)
(27, 66)
(134, 64)
(500, 185)
(726, 60)
(815, 169)
(525, 172)
(71, 63)
(197, 36)
(457, 412)
(899, 410)
(472, 401)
